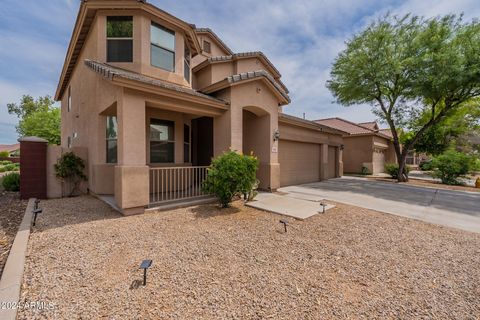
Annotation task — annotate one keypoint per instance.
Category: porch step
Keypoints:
(182, 203)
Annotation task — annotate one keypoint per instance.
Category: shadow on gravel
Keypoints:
(213, 210)
(58, 213)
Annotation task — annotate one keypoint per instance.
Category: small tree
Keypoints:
(414, 73)
(231, 174)
(69, 167)
(37, 117)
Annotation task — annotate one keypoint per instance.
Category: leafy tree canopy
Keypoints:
(414, 72)
(450, 133)
(37, 117)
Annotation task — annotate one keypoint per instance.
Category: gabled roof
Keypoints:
(240, 55)
(86, 16)
(110, 72)
(248, 76)
(386, 132)
(372, 125)
(352, 128)
(219, 41)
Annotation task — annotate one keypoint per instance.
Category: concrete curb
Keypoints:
(12, 276)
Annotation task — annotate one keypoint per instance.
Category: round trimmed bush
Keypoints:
(231, 174)
(11, 182)
(392, 169)
(10, 167)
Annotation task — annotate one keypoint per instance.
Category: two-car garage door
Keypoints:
(300, 162)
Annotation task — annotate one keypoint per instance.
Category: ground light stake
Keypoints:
(285, 223)
(145, 265)
(35, 212)
(323, 205)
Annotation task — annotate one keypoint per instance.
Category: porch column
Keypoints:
(132, 172)
(339, 161)
(228, 131)
(323, 161)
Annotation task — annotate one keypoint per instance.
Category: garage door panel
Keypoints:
(378, 161)
(299, 162)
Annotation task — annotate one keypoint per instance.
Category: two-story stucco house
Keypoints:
(152, 99)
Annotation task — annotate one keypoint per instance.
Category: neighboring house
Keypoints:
(12, 149)
(366, 145)
(151, 99)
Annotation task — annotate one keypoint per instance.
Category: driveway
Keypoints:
(456, 209)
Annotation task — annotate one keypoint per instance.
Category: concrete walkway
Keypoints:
(294, 205)
(458, 209)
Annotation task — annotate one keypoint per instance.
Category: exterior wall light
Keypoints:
(276, 135)
(342, 147)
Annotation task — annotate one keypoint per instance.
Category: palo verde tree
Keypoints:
(413, 71)
(37, 117)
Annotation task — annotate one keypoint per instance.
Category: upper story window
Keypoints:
(186, 64)
(120, 39)
(162, 48)
(207, 47)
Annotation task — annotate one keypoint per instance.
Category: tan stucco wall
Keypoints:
(357, 152)
(367, 151)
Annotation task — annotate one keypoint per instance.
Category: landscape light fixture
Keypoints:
(35, 213)
(36, 203)
(145, 265)
(276, 135)
(323, 205)
(285, 223)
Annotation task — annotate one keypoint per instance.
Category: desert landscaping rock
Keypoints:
(12, 210)
(237, 263)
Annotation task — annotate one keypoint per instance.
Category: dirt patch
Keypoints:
(12, 210)
(237, 263)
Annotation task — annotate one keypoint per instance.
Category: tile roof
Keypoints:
(208, 30)
(372, 125)
(345, 126)
(386, 132)
(353, 128)
(258, 74)
(109, 72)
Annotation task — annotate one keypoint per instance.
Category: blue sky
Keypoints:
(302, 38)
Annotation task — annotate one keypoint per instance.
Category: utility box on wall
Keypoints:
(33, 167)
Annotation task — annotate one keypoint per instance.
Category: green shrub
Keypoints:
(5, 162)
(4, 154)
(365, 171)
(231, 174)
(2, 169)
(10, 167)
(426, 165)
(392, 169)
(452, 165)
(16, 169)
(11, 182)
(70, 168)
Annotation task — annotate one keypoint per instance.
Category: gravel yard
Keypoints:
(237, 263)
(12, 210)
